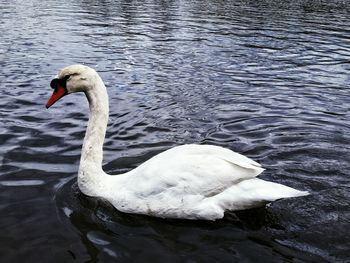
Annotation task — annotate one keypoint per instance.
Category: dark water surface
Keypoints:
(267, 79)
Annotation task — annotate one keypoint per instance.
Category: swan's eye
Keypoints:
(66, 78)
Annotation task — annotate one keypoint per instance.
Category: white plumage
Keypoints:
(188, 181)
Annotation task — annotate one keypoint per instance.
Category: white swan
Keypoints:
(188, 181)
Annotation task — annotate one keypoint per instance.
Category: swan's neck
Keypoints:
(91, 177)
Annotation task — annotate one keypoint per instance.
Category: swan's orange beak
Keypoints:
(58, 93)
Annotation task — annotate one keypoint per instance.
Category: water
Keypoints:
(267, 79)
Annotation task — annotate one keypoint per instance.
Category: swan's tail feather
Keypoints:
(254, 193)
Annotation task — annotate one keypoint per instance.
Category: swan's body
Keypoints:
(188, 181)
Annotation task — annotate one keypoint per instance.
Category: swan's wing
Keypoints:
(202, 170)
(220, 152)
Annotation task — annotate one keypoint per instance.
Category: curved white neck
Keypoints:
(91, 176)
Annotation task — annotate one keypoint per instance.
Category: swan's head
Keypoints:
(75, 78)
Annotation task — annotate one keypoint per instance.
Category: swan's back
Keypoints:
(195, 181)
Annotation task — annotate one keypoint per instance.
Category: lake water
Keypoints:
(268, 79)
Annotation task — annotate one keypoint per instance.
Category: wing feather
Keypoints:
(192, 169)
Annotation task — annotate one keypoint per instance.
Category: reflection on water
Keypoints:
(268, 79)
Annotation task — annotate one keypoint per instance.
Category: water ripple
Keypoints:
(265, 78)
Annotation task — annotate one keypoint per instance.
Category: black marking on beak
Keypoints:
(54, 83)
(62, 82)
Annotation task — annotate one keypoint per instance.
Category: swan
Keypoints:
(187, 181)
